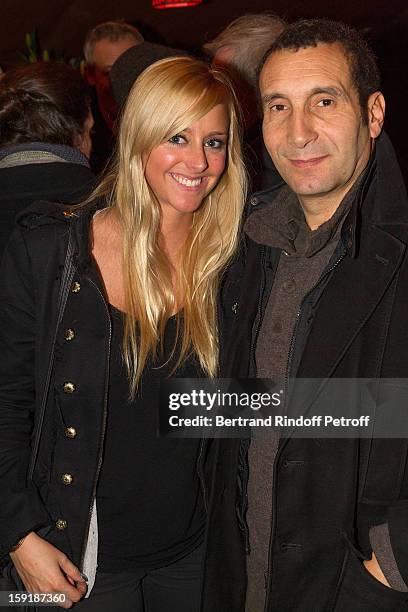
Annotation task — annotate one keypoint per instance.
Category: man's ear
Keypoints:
(224, 55)
(89, 74)
(376, 113)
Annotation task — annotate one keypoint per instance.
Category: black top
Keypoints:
(150, 508)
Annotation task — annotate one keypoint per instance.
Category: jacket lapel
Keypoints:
(350, 297)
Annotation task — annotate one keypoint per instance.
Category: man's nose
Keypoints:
(302, 129)
(197, 159)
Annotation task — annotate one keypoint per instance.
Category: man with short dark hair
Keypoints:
(323, 522)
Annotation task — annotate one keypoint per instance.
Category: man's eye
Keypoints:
(215, 143)
(177, 139)
(325, 102)
(276, 108)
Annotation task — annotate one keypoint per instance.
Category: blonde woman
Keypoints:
(137, 304)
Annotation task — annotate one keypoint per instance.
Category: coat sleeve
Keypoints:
(21, 508)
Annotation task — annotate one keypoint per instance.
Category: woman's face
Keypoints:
(183, 170)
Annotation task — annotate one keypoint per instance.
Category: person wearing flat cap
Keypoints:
(132, 63)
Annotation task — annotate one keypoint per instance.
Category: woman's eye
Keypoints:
(177, 139)
(215, 143)
(325, 102)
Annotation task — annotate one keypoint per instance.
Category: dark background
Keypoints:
(62, 25)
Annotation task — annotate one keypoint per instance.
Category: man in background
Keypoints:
(104, 44)
(239, 48)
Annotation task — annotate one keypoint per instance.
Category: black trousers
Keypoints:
(174, 588)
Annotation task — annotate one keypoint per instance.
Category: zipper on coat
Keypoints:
(288, 366)
(201, 474)
(299, 312)
(243, 471)
(104, 420)
(241, 508)
(252, 365)
(252, 360)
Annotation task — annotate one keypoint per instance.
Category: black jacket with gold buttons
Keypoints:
(58, 502)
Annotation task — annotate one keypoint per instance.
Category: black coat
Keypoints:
(62, 182)
(327, 492)
(31, 274)
(72, 439)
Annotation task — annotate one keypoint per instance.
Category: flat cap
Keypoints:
(132, 63)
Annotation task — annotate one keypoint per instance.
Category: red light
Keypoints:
(165, 4)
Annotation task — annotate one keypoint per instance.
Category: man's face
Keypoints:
(313, 126)
(106, 52)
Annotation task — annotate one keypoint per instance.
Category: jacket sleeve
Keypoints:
(21, 508)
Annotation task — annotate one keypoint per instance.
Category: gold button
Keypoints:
(70, 432)
(76, 287)
(68, 213)
(67, 479)
(69, 334)
(61, 524)
(69, 387)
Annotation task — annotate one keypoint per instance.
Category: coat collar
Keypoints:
(375, 235)
(40, 152)
(376, 239)
(49, 213)
(381, 190)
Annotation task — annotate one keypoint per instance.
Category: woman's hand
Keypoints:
(375, 570)
(45, 569)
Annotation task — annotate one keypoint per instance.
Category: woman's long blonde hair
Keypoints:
(168, 97)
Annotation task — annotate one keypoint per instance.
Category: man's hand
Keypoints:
(45, 569)
(375, 570)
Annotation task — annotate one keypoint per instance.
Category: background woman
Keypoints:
(141, 305)
(45, 141)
